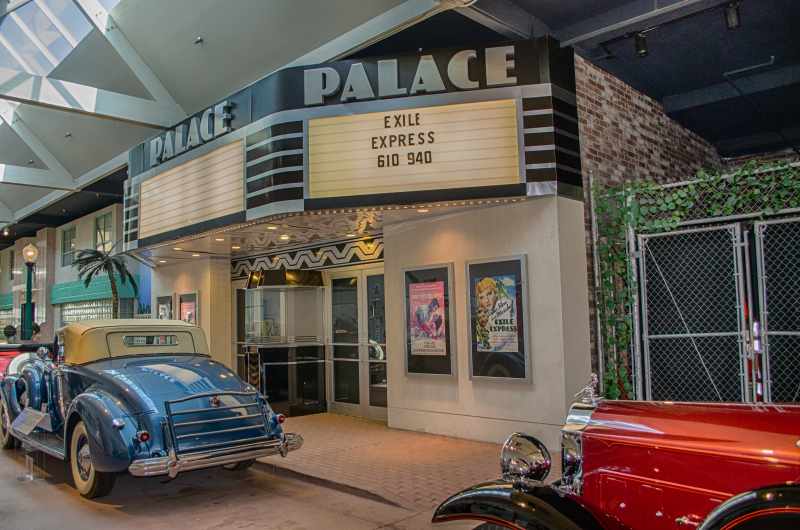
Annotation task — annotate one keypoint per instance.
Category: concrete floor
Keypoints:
(202, 500)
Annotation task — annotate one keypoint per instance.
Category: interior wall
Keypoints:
(549, 231)
(210, 278)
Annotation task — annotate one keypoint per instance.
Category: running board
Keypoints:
(42, 441)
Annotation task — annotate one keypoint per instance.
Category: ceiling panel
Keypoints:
(239, 45)
(16, 197)
(96, 63)
(92, 141)
(14, 151)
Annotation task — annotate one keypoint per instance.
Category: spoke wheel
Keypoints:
(88, 481)
(7, 441)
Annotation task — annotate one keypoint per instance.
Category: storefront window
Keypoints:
(67, 246)
(104, 233)
(376, 324)
(89, 310)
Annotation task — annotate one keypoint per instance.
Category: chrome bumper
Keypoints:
(172, 465)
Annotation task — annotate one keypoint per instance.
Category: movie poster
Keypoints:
(188, 308)
(495, 313)
(426, 321)
(497, 320)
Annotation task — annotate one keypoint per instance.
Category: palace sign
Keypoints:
(460, 72)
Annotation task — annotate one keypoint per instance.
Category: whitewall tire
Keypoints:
(88, 481)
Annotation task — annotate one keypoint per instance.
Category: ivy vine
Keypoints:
(755, 189)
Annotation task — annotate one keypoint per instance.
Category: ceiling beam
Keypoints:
(107, 26)
(636, 15)
(34, 178)
(90, 177)
(8, 6)
(752, 84)
(25, 87)
(505, 17)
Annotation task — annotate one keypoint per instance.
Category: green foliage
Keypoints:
(92, 262)
(754, 190)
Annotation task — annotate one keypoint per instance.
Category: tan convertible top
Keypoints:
(93, 340)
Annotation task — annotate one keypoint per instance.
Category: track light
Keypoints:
(733, 18)
(640, 42)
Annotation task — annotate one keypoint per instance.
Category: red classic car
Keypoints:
(8, 352)
(635, 465)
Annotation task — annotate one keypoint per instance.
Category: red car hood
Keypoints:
(757, 433)
(5, 359)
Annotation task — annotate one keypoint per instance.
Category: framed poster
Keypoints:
(187, 307)
(429, 320)
(164, 307)
(497, 309)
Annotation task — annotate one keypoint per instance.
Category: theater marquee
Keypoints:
(429, 148)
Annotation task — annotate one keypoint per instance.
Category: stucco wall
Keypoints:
(549, 232)
(210, 278)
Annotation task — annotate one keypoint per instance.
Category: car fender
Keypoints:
(501, 503)
(769, 505)
(33, 376)
(112, 448)
(9, 396)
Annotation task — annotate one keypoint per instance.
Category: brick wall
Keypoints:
(625, 135)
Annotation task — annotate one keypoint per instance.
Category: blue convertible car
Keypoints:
(141, 396)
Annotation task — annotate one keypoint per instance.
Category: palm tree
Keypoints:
(92, 262)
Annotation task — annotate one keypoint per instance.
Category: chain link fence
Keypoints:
(691, 319)
(778, 248)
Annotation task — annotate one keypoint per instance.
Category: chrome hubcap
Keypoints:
(84, 459)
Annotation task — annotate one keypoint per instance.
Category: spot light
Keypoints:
(733, 18)
(177, 248)
(284, 237)
(219, 239)
(640, 41)
(162, 261)
(422, 210)
(272, 227)
(236, 247)
(195, 255)
(6, 231)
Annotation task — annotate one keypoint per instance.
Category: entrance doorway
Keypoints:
(356, 342)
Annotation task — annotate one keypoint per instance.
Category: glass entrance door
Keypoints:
(357, 343)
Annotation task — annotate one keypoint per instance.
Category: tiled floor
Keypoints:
(414, 470)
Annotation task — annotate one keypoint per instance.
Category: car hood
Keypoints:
(152, 380)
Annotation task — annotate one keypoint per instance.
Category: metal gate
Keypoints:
(693, 331)
(778, 266)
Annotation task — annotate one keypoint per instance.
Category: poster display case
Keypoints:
(497, 309)
(429, 320)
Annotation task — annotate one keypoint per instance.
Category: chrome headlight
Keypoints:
(524, 460)
(580, 414)
(571, 462)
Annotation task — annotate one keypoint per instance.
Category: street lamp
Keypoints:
(30, 253)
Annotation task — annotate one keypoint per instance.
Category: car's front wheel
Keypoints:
(7, 441)
(88, 481)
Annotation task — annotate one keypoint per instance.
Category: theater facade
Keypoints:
(398, 238)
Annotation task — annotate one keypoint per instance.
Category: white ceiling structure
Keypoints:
(83, 81)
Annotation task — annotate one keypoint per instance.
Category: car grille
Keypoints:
(214, 421)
